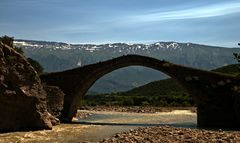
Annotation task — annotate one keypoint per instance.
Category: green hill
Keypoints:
(229, 69)
(161, 87)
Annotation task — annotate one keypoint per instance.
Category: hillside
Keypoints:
(230, 69)
(161, 87)
(171, 86)
(57, 56)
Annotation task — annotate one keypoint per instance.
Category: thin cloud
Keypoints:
(192, 13)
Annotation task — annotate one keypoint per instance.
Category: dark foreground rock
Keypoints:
(22, 98)
(55, 99)
(167, 134)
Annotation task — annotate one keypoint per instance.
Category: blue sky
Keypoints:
(213, 22)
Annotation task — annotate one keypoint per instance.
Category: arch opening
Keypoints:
(161, 92)
(125, 79)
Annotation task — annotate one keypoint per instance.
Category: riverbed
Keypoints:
(101, 125)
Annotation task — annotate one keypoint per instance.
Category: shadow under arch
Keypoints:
(212, 92)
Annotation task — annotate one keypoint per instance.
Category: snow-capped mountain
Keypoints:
(117, 47)
(57, 56)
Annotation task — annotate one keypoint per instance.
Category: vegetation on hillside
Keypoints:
(159, 93)
(9, 41)
(230, 69)
(123, 99)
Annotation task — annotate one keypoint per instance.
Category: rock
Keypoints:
(22, 98)
(55, 99)
(158, 134)
(55, 121)
(82, 115)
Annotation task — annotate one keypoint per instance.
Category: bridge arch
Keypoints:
(96, 71)
(76, 82)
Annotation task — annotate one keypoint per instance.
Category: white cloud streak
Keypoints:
(192, 13)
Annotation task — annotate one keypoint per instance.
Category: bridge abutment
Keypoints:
(216, 117)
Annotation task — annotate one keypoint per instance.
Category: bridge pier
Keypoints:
(218, 103)
(216, 116)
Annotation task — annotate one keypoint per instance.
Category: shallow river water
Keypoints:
(102, 125)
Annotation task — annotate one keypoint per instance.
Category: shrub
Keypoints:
(9, 41)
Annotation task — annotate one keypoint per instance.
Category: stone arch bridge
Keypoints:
(216, 95)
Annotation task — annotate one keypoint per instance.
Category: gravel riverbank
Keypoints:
(81, 114)
(167, 134)
(137, 109)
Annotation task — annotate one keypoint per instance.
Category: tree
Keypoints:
(9, 41)
(237, 57)
(39, 69)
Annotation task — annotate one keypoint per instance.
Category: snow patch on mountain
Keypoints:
(115, 47)
(22, 43)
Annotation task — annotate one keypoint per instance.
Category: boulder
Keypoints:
(22, 97)
(55, 99)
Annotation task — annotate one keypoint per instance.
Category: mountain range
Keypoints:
(58, 56)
